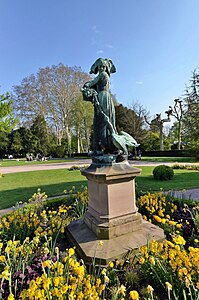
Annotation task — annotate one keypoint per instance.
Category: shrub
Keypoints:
(58, 151)
(163, 172)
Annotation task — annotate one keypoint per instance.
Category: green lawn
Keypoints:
(23, 162)
(183, 179)
(17, 187)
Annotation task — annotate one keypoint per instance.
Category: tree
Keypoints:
(52, 92)
(152, 141)
(177, 111)
(28, 139)
(83, 119)
(16, 145)
(139, 125)
(40, 130)
(158, 122)
(192, 113)
(131, 121)
(7, 121)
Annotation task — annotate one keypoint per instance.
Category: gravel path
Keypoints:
(46, 166)
(67, 165)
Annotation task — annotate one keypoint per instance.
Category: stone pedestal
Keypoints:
(112, 210)
(112, 215)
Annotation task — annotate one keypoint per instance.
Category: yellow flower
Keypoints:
(71, 252)
(101, 243)
(168, 285)
(11, 297)
(150, 289)
(157, 218)
(46, 283)
(111, 264)
(179, 240)
(106, 279)
(56, 281)
(5, 273)
(57, 250)
(2, 258)
(103, 272)
(173, 223)
(178, 226)
(142, 260)
(98, 282)
(134, 295)
(187, 281)
(102, 287)
(46, 263)
(122, 290)
(46, 250)
(152, 260)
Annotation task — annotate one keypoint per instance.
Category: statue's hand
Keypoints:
(86, 85)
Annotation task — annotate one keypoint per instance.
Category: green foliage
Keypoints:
(53, 94)
(192, 112)
(6, 117)
(152, 141)
(163, 172)
(78, 198)
(58, 151)
(23, 141)
(7, 121)
(39, 129)
(16, 144)
(131, 121)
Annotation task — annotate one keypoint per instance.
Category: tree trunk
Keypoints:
(161, 138)
(87, 137)
(179, 135)
(68, 136)
(81, 144)
(78, 141)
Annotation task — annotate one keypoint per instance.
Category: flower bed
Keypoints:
(36, 261)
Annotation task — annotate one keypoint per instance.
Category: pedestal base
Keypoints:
(88, 245)
(114, 227)
(112, 215)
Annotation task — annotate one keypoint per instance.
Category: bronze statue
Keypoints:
(105, 136)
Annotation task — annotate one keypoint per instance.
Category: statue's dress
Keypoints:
(101, 130)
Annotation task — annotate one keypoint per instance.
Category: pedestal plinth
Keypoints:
(112, 210)
(112, 214)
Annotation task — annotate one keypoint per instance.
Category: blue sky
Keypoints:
(154, 44)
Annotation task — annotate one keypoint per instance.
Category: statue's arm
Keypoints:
(94, 81)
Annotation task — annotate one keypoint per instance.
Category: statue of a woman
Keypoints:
(105, 136)
(104, 114)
